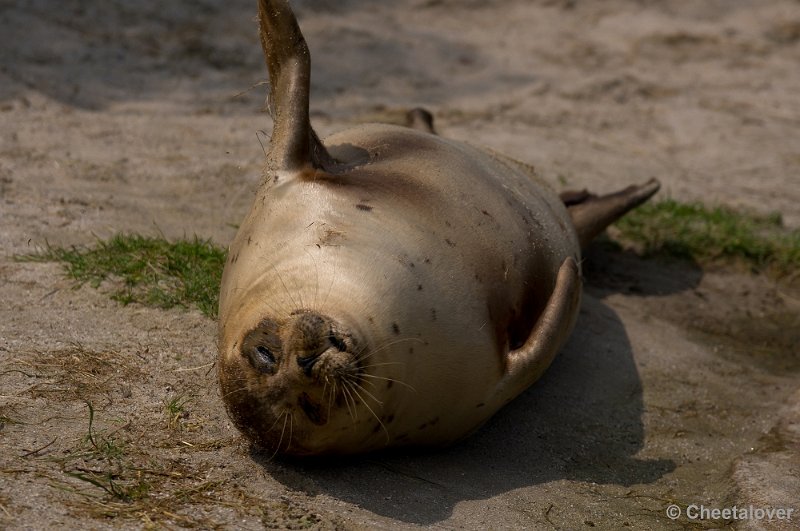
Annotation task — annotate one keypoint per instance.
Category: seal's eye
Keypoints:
(262, 347)
(263, 359)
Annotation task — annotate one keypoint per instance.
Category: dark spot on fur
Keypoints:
(249, 240)
(427, 260)
(395, 329)
(410, 350)
(480, 405)
(332, 237)
(486, 213)
(371, 320)
(447, 223)
(389, 384)
(450, 243)
(403, 259)
(433, 314)
(390, 419)
(365, 208)
(419, 287)
(275, 179)
(376, 428)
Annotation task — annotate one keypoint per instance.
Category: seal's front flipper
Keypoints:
(592, 214)
(294, 144)
(527, 363)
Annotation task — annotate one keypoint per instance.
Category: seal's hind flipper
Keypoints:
(526, 364)
(592, 214)
(294, 144)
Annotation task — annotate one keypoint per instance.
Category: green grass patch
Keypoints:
(157, 272)
(147, 270)
(712, 234)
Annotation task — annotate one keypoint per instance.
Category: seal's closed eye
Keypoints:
(262, 347)
(265, 354)
(262, 359)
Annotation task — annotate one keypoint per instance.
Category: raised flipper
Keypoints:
(294, 144)
(421, 119)
(592, 214)
(526, 364)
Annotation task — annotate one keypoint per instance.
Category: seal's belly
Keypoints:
(456, 251)
(438, 256)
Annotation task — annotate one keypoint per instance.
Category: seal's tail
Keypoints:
(294, 145)
(591, 214)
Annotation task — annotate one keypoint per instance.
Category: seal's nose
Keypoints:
(311, 336)
(308, 333)
(307, 363)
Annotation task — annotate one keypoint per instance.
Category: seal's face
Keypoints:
(283, 380)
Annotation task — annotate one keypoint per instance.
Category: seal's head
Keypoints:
(285, 378)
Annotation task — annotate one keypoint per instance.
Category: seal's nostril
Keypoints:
(337, 342)
(307, 363)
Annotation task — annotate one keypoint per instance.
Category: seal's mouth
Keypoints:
(312, 409)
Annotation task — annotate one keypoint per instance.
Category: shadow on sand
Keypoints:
(582, 421)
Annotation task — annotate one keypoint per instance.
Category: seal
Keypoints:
(389, 286)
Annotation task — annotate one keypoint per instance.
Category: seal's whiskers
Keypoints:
(383, 426)
(393, 380)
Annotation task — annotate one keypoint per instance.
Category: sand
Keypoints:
(679, 385)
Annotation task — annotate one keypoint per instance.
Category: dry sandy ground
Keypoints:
(679, 385)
